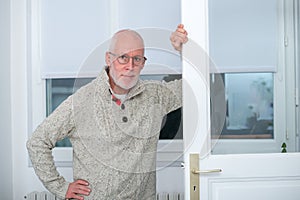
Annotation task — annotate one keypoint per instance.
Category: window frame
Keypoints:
(284, 97)
(297, 70)
(172, 150)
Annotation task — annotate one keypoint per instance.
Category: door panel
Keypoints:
(251, 176)
(244, 176)
(255, 189)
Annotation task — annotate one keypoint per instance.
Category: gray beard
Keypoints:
(120, 83)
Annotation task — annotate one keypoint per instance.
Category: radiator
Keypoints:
(170, 196)
(40, 196)
(48, 196)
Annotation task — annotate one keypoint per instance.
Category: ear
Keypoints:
(107, 58)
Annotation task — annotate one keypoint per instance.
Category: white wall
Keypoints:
(23, 179)
(5, 103)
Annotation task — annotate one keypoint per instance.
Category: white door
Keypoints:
(264, 176)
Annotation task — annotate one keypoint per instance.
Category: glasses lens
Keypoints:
(137, 60)
(123, 59)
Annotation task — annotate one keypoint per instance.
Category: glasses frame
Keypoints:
(132, 57)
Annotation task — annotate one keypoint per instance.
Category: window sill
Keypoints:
(169, 154)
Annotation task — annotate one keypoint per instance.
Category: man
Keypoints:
(113, 124)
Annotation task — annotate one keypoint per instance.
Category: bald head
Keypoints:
(125, 41)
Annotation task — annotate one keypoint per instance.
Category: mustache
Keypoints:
(130, 74)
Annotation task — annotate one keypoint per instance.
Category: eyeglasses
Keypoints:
(125, 58)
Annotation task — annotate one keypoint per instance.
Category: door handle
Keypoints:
(194, 176)
(194, 171)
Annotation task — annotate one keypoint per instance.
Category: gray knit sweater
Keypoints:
(114, 146)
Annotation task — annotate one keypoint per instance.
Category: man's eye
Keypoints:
(137, 59)
(124, 57)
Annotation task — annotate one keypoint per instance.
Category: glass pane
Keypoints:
(249, 106)
(59, 89)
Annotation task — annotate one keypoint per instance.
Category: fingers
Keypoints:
(180, 29)
(179, 37)
(177, 42)
(82, 182)
(180, 26)
(77, 189)
(75, 197)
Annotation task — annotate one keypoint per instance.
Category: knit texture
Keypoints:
(114, 147)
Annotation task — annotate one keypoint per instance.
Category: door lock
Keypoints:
(194, 176)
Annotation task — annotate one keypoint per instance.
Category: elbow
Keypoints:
(29, 144)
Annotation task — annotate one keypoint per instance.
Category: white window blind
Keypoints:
(75, 34)
(243, 35)
(70, 30)
(154, 20)
(154, 14)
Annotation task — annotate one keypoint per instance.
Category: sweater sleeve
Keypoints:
(172, 94)
(57, 126)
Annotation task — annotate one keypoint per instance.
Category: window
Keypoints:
(65, 45)
(249, 106)
(251, 46)
(59, 89)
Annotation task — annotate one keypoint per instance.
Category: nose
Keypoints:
(130, 64)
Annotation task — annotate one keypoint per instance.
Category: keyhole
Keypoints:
(194, 188)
